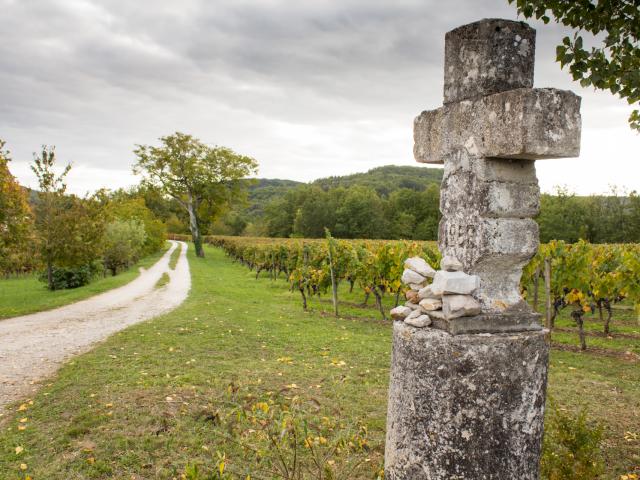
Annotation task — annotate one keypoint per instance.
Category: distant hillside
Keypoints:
(383, 180)
(264, 190)
(278, 207)
(386, 179)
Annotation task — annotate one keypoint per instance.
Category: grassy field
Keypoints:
(240, 381)
(27, 294)
(173, 261)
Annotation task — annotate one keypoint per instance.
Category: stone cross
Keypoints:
(466, 398)
(491, 127)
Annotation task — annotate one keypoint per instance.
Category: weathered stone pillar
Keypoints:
(466, 398)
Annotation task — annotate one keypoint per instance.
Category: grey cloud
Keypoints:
(309, 88)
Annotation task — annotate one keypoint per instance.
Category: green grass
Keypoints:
(27, 294)
(163, 280)
(173, 261)
(240, 359)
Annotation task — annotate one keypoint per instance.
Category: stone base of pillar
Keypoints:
(465, 406)
(489, 323)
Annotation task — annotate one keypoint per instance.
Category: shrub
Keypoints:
(122, 207)
(16, 222)
(70, 277)
(123, 242)
(571, 449)
(275, 436)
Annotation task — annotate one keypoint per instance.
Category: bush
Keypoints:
(122, 208)
(571, 449)
(156, 236)
(275, 436)
(123, 243)
(70, 277)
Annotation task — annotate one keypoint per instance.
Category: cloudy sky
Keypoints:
(309, 88)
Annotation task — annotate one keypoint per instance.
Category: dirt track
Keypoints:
(32, 347)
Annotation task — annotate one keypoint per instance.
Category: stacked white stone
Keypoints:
(448, 296)
(416, 274)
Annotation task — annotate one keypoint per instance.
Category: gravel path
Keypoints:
(32, 347)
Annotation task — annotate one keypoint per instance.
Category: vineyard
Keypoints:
(313, 266)
(581, 277)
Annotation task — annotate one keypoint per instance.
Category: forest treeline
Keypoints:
(66, 238)
(403, 203)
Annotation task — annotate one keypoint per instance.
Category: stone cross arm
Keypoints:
(525, 124)
(490, 108)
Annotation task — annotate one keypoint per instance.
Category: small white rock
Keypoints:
(429, 304)
(412, 306)
(419, 265)
(412, 296)
(454, 283)
(400, 312)
(415, 314)
(449, 263)
(454, 306)
(409, 277)
(418, 322)
(427, 292)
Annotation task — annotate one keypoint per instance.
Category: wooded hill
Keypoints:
(384, 180)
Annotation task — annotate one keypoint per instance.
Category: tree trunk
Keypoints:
(600, 316)
(304, 298)
(547, 292)
(49, 274)
(379, 302)
(552, 319)
(536, 283)
(607, 322)
(577, 317)
(366, 299)
(334, 285)
(195, 229)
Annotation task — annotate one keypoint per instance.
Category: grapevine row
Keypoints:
(585, 278)
(374, 266)
(582, 276)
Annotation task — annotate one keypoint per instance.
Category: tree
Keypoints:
(69, 229)
(634, 218)
(314, 215)
(615, 64)
(129, 205)
(124, 242)
(15, 219)
(48, 210)
(361, 215)
(195, 175)
(562, 217)
(279, 216)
